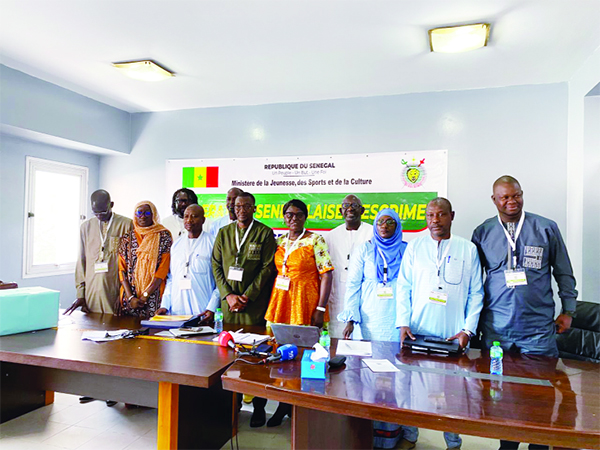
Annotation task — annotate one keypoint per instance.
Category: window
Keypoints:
(56, 204)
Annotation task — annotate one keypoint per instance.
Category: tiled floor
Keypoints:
(94, 426)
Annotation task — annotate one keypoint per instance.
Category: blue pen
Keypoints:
(448, 260)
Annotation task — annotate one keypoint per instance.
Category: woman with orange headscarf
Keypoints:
(144, 257)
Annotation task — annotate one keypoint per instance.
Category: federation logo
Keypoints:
(414, 174)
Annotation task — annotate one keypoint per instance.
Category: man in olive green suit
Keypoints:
(244, 271)
(243, 266)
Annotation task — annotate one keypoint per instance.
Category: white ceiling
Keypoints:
(270, 51)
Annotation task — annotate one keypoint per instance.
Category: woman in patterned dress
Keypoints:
(303, 283)
(144, 256)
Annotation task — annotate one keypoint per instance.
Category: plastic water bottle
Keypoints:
(496, 390)
(325, 341)
(218, 320)
(496, 354)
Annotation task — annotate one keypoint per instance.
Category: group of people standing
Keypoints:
(382, 288)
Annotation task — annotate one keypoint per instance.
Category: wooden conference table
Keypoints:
(558, 404)
(181, 379)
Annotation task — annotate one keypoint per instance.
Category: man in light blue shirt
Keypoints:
(228, 218)
(191, 287)
(439, 291)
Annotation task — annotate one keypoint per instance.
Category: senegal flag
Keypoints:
(200, 177)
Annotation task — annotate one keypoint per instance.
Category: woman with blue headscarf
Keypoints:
(370, 299)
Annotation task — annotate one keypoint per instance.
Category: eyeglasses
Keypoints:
(182, 200)
(100, 213)
(351, 205)
(382, 222)
(143, 213)
(291, 215)
(245, 206)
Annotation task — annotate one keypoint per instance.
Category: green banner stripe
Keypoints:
(324, 208)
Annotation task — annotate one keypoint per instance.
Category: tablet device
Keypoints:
(432, 344)
(299, 335)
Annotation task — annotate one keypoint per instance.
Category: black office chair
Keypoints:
(582, 341)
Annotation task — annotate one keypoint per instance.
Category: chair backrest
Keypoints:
(582, 341)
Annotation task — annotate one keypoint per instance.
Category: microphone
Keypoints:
(226, 339)
(286, 352)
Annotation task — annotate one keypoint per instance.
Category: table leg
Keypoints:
(168, 415)
(312, 429)
(49, 397)
(235, 415)
(205, 417)
(19, 393)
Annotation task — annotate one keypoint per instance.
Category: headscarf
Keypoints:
(392, 248)
(147, 252)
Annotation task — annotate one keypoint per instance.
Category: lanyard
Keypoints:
(290, 248)
(190, 251)
(239, 244)
(439, 261)
(385, 266)
(351, 233)
(104, 238)
(513, 244)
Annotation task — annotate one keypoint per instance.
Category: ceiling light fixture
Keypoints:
(460, 38)
(145, 70)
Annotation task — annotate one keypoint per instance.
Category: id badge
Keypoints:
(101, 267)
(235, 273)
(185, 284)
(385, 292)
(282, 282)
(515, 277)
(438, 298)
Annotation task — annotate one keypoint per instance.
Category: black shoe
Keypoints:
(86, 399)
(259, 417)
(110, 403)
(283, 409)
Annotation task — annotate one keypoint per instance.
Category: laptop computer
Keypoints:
(299, 335)
(432, 344)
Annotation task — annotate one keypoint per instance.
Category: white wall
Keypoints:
(44, 120)
(590, 286)
(488, 133)
(46, 112)
(580, 85)
(13, 152)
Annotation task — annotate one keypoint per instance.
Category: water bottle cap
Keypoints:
(496, 343)
(324, 333)
(218, 309)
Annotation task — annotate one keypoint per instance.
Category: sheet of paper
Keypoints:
(356, 348)
(179, 332)
(165, 333)
(247, 338)
(380, 365)
(103, 336)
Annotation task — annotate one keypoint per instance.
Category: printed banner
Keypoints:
(402, 181)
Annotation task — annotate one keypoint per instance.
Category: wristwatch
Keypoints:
(569, 313)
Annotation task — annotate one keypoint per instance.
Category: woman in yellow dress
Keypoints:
(303, 283)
